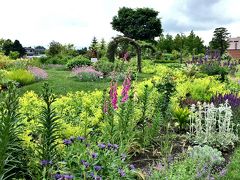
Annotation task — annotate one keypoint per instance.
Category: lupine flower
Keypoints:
(101, 146)
(126, 88)
(113, 95)
(97, 168)
(38, 73)
(68, 176)
(81, 138)
(67, 142)
(132, 167)
(94, 155)
(121, 172)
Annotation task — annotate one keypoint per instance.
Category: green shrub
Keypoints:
(214, 69)
(78, 61)
(23, 77)
(14, 54)
(104, 66)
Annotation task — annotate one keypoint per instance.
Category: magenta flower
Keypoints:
(126, 88)
(114, 95)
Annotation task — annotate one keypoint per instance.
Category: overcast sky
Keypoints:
(38, 22)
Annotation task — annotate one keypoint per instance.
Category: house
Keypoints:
(38, 51)
(29, 51)
(234, 47)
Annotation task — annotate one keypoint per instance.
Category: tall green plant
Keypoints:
(10, 128)
(49, 128)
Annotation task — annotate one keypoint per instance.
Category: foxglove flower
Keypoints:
(114, 95)
(126, 88)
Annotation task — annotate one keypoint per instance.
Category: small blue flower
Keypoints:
(121, 172)
(109, 145)
(72, 138)
(68, 176)
(57, 176)
(123, 157)
(81, 138)
(132, 167)
(94, 155)
(101, 146)
(115, 146)
(97, 168)
(67, 142)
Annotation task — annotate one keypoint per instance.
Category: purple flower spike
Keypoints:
(97, 168)
(101, 146)
(67, 142)
(94, 155)
(121, 172)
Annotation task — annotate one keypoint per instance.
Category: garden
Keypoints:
(138, 112)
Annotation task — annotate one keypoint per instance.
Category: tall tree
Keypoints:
(138, 24)
(54, 49)
(94, 44)
(194, 43)
(220, 39)
(7, 47)
(165, 43)
(17, 46)
(103, 44)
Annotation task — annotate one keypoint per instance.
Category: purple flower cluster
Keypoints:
(45, 162)
(233, 100)
(126, 88)
(38, 72)
(121, 172)
(109, 146)
(69, 141)
(95, 177)
(79, 71)
(59, 176)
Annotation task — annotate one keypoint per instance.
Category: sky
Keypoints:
(38, 22)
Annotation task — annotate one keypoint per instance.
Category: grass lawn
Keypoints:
(61, 82)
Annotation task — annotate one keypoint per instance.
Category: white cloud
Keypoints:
(36, 22)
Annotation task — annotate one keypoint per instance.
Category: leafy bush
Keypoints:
(104, 66)
(10, 129)
(181, 116)
(95, 161)
(214, 69)
(23, 77)
(197, 164)
(86, 73)
(78, 61)
(200, 89)
(212, 125)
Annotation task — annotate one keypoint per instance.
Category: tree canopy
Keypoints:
(220, 39)
(138, 24)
